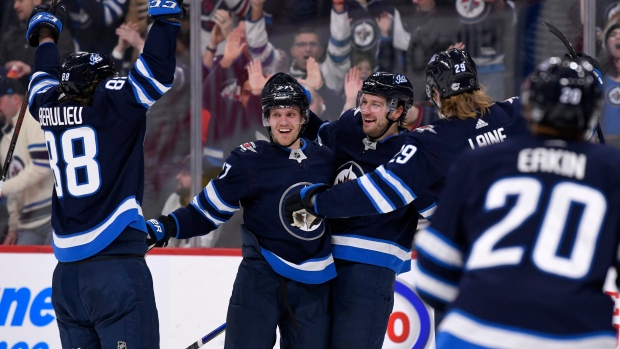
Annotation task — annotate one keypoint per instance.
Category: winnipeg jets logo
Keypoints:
(248, 146)
(348, 172)
(613, 95)
(364, 35)
(472, 11)
(95, 58)
(428, 128)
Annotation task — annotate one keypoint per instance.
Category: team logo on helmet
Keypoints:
(455, 86)
(400, 79)
(95, 58)
(311, 227)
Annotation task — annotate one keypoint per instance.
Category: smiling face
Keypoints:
(286, 125)
(306, 45)
(374, 110)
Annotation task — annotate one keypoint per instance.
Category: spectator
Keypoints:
(610, 119)
(227, 97)
(128, 37)
(432, 29)
(306, 44)
(93, 23)
(484, 34)
(17, 56)
(528, 228)
(30, 182)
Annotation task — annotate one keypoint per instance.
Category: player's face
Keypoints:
(285, 125)
(374, 110)
(613, 43)
(23, 8)
(306, 45)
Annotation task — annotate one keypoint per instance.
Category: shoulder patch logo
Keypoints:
(248, 146)
(429, 128)
(481, 123)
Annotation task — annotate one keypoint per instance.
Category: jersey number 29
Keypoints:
(78, 149)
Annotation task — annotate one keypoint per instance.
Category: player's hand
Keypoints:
(46, 16)
(162, 9)
(302, 202)
(160, 231)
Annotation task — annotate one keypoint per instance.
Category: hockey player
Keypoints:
(369, 250)
(469, 119)
(520, 251)
(282, 280)
(94, 125)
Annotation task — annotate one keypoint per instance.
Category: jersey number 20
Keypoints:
(78, 149)
(576, 265)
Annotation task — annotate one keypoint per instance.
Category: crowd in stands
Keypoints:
(330, 46)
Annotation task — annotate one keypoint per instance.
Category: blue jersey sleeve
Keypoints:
(410, 173)
(44, 81)
(217, 202)
(153, 72)
(440, 250)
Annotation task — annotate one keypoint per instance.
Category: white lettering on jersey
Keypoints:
(557, 161)
(488, 138)
(60, 116)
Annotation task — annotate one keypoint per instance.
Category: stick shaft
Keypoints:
(18, 126)
(204, 340)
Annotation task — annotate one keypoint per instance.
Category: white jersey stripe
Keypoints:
(403, 191)
(433, 286)
(434, 246)
(382, 204)
(89, 236)
(213, 197)
(469, 329)
(205, 213)
(377, 246)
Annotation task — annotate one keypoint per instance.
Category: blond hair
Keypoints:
(467, 104)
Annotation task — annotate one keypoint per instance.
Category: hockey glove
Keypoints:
(301, 202)
(166, 9)
(46, 16)
(160, 231)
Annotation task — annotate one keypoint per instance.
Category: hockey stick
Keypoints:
(9, 153)
(202, 341)
(573, 55)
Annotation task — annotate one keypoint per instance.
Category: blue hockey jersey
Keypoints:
(383, 240)
(421, 163)
(520, 250)
(259, 176)
(96, 152)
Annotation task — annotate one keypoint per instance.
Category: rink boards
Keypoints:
(192, 288)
